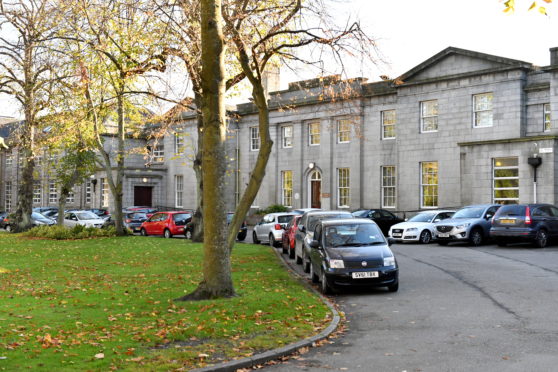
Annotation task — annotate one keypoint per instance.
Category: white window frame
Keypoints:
(389, 186)
(547, 124)
(499, 164)
(343, 131)
(388, 124)
(159, 153)
(179, 191)
(287, 188)
(8, 196)
(286, 138)
(313, 134)
(254, 138)
(104, 193)
(88, 192)
(9, 159)
(179, 143)
(71, 197)
(52, 192)
(37, 193)
(429, 186)
(343, 187)
(427, 113)
(479, 110)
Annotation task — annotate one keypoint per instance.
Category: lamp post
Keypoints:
(535, 161)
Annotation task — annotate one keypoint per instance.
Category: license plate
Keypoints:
(396, 235)
(365, 274)
(505, 221)
(443, 235)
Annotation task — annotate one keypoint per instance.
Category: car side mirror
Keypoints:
(436, 220)
(301, 228)
(314, 244)
(489, 216)
(390, 241)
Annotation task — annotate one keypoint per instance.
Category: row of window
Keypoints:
(505, 184)
(38, 194)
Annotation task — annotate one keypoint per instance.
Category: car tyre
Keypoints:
(298, 260)
(313, 276)
(306, 265)
(475, 237)
(167, 234)
(143, 232)
(541, 239)
(285, 247)
(188, 234)
(393, 288)
(8, 228)
(241, 236)
(272, 242)
(255, 238)
(325, 288)
(291, 253)
(425, 237)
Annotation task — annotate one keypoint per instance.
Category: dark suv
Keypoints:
(534, 223)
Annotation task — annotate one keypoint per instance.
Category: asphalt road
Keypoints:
(458, 309)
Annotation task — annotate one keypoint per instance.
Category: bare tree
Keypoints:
(28, 66)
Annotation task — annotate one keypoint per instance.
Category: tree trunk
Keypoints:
(24, 208)
(197, 219)
(217, 278)
(64, 192)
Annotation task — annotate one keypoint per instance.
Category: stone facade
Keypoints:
(457, 129)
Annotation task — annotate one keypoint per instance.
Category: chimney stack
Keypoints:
(554, 56)
(271, 79)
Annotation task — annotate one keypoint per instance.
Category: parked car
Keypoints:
(270, 228)
(240, 236)
(43, 210)
(134, 220)
(305, 232)
(469, 224)
(288, 239)
(384, 219)
(166, 224)
(101, 212)
(301, 211)
(535, 223)
(352, 252)
(3, 216)
(84, 218)
(36, 218)
(419, 228)
(52, 213)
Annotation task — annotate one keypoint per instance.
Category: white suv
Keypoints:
(270, 228)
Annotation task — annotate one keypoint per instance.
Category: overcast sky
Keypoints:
(411, 31)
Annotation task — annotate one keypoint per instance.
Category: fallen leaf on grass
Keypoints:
(100, 356)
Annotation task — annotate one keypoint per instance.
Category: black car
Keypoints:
(240, 236)
(535, 223)
(352, 252)
(384, 219)
(134, 220)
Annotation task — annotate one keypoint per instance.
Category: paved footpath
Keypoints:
(458, 309)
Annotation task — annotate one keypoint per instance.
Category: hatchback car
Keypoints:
(352, 252)
(469, 224)
(240, 236)
(37, 219)
(166, 224)
(384, 219)
(535, 223)
(270, 228)
(134, 220)
(288, 240)
(419, 228)
(84, 218)
(305, 232)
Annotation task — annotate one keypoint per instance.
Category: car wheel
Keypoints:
(541, 239)
(255, 238)
(285, 246)
(313, 276)
(241, 236)
(272, 242)
(393, 288)
(167, 234)
(475, 238)
(188, 234)
(425, 237)
(291, 253)
(8, 228)
(443, 243)
(324, 286)
(501, 243)
(143, 232)
(298, 260)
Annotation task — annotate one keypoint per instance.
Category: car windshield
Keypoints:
(363, 213)
(181, 218)
(473, 212)
(353, 235)
(87, 216)
(137, 216)
(422, 217)
(284, 219)
(39, 217)
(313, 220)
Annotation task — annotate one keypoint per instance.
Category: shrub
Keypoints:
(274, 208)
(63, 233)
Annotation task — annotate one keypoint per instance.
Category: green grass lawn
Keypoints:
(106, 304)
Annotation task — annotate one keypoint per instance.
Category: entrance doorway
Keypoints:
(143, 196)
(315, 189)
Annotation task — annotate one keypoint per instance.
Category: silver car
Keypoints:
(270, 228)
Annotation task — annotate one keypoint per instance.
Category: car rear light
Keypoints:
(278, 226)
(527, 215)
(128, 221)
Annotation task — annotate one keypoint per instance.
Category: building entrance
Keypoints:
(315, 189)
(143, 196)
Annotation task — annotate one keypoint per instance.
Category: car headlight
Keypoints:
(464, 226)
(412, 229)
(389, 261)
(336, 264)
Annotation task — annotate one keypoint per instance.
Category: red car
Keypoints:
(166, 224)
(288, 240)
